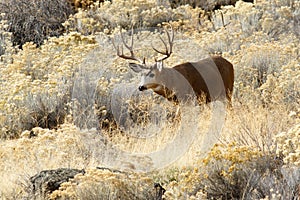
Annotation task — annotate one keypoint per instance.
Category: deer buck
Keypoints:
(211, 78)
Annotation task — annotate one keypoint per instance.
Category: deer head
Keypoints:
(149, 74)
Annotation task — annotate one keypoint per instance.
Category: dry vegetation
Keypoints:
(59, 95)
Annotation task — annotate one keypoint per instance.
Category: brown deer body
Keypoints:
(211, 78)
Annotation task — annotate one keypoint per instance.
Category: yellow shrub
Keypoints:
(288, 145)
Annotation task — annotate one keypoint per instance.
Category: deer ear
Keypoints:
(159, 65)
(136, 67)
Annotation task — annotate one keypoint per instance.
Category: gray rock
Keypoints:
(47, 181)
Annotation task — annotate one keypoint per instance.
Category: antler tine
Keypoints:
(222, 18)
(168, 51)
(130, 48)
(126, 45)
(115, 47)
(158, 51)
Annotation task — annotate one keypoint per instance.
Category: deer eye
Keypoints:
(151, 75)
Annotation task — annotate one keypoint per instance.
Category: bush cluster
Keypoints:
(140, 14)
(34, 21)
(37, 94)
(236, 172)
(105, 184)
(288, 145)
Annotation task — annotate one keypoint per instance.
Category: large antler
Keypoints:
(168, 51)
(121, 54)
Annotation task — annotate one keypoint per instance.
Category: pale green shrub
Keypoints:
(262, 68)
(247, 15)
(285, 85)
(37, 85)
(231, 27)
(280, 17)
(245, 21)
